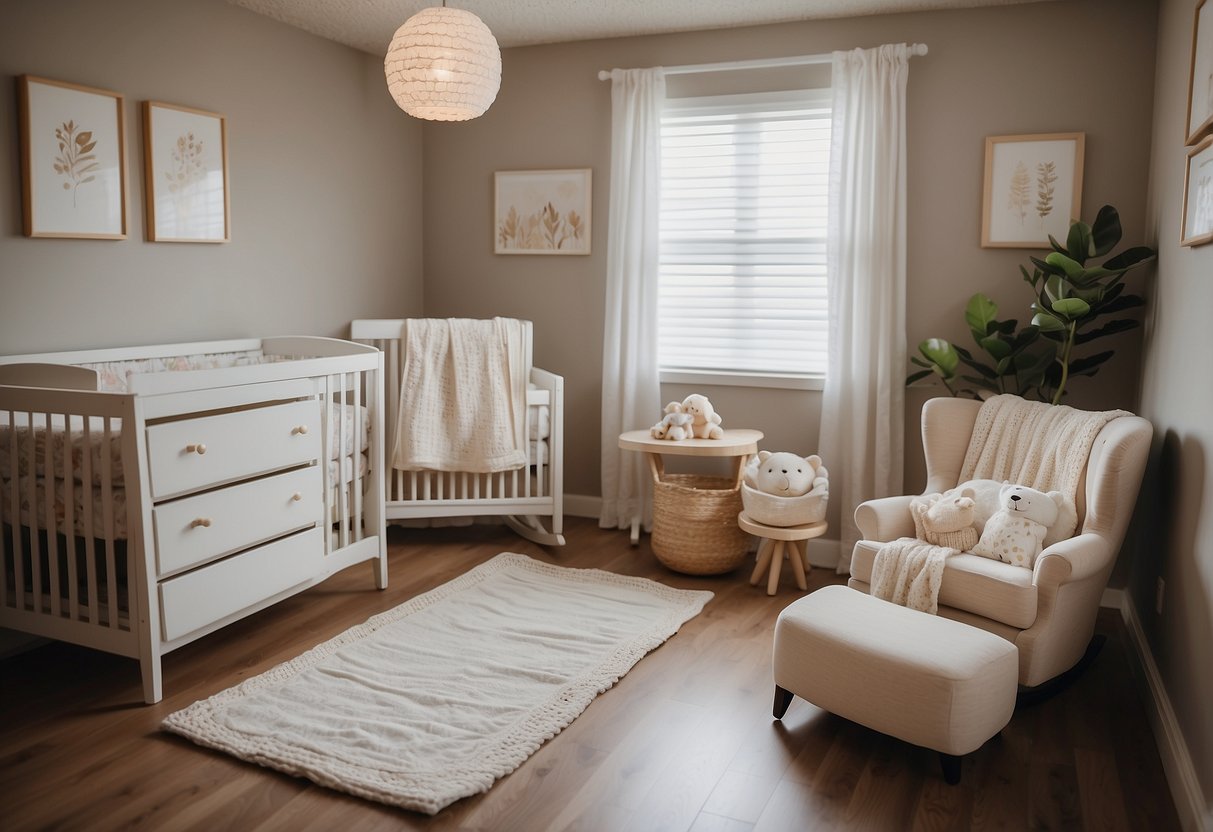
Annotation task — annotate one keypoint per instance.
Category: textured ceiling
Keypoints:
(369, 24)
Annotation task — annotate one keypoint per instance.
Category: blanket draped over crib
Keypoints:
(462, 396)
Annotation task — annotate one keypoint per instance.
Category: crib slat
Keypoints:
(69, 513)
(90, 533)
(356, 456)
(14, 519)
(326, 421)
(107, 508)
(32, 498)
(342, 445)
(52, 522)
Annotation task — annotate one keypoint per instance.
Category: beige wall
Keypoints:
(325, 181)
(1174, 524)
(1019, 69)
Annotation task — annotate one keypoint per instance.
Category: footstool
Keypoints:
(926, 680)
(779, 542)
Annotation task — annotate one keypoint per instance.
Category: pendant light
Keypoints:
(443, 65)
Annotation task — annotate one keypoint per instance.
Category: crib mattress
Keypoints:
(94, 444)
(117, 498)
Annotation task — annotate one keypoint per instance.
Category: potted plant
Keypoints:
(1071, 298)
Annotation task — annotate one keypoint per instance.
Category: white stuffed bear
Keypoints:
(676, 424)
(785, 474)
(707, 421)
(945, 520)
(986, 496)
(1016, 532)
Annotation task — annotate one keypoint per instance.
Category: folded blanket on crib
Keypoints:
(907, 571)
(462, 396)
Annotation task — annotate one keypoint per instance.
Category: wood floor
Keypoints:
(685, 741)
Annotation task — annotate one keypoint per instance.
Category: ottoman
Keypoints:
(926, 680)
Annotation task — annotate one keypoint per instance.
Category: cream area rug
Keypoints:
(434, 700)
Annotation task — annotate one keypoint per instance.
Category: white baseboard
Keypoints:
(1113, 599)
(1194, 811)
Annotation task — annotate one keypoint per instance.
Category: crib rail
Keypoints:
(70, 505)
(528, 492)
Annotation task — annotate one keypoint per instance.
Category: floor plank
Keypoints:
(684, 741)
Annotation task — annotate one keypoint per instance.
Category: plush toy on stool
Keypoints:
(676, 425)
(705, 420)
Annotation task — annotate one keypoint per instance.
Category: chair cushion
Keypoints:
(990, 588)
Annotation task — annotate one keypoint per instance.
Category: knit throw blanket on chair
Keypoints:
(908, 572)
(1042, 446)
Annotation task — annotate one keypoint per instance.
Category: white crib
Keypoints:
(152, 495)
(523, 497)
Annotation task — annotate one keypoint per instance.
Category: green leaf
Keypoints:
(996, 347)
(1055, 289)
(979, 367)
(1047, 323)
(1046, 267)
(1129, 258)
(1105, 233)
(942, 354)
(918, 362)
(1121, 303)
(919, 376)
(1056, 245)
(1071, 308)
(1080, 366)
(1026, 336)
(1078, 243)
(979, 314)
(1006, 327)
(1110, 328)
(1070, 267)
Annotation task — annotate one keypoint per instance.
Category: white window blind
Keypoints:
(743, 233)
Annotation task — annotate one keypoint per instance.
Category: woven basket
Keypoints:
(695, 524)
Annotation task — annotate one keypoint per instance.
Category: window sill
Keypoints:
(774, 381)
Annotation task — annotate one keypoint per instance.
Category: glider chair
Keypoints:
(1048, 611)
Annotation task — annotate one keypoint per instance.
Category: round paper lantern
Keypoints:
(443, 65)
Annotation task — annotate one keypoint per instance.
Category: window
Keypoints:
(743, 235)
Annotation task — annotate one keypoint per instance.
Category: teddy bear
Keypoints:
(786, 474)
(707, 421)
(675, 425)
(947, 520)
(1016, 532)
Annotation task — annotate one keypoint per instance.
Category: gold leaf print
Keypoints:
(1017, 196)
(1046, 175)
(75, 160)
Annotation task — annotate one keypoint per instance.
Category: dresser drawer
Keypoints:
(196, 599)
(197, 453)
(205, 527)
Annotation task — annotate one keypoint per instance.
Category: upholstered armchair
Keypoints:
(1048, 612)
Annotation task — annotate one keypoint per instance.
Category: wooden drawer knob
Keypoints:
(296, 497)
(195, 449)
(301, 429)
(205, 522)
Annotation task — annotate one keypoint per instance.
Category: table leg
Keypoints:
(636, 530)
(764, 560)
(776, 566)
(797, 560)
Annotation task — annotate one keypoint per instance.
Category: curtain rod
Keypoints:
(760, 63)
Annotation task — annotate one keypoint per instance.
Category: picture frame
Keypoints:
(185, 161)
(1196, 225)
(542, 211)
(1200, 75)
(1033, 188)
(73, 160)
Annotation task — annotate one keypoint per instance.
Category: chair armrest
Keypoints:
(885, 519)
(1073, 559)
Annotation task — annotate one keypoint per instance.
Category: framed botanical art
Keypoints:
(1033, 188)
(542, 211)
(1200, 79)
(1197, 223)
(185, 173)
(73, 160)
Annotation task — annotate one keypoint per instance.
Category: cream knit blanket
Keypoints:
(908, 572)
(1042, 446)
(462, 396)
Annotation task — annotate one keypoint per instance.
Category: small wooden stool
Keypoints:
(776, 543)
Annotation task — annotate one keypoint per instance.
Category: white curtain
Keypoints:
(863, 406)
(631, 394)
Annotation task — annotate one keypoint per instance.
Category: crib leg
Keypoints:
(533, 530)
(153, 687)
(379, 565)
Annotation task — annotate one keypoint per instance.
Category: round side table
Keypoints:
(737, 443)
(778, 542)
